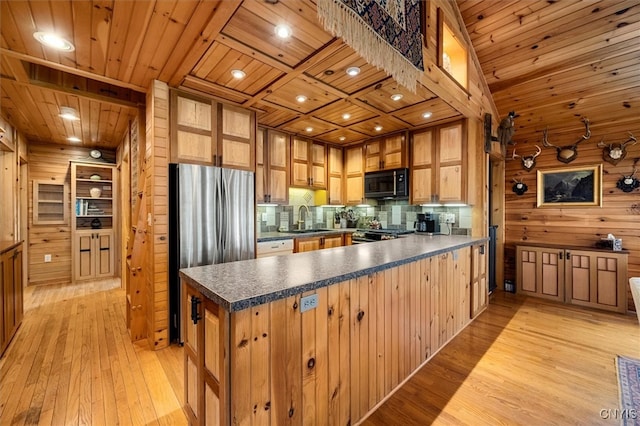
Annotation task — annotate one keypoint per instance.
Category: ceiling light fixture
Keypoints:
(238, 74)
(68, 113)
(346, 116)
(342, 138)
(309, 129)
(74, 139)
(378, 128)
(301, 98)
(353, 71)
(426, 115)
(55, 41)
(283, 31)
(396, 97)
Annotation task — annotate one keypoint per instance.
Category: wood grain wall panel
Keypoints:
(584, 226)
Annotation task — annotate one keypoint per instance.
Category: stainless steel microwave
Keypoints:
(387, 184)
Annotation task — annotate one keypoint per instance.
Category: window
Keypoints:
(452, 51)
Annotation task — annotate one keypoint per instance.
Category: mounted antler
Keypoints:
(519, 187)
(629, 183)
(616, 152)
(567, 153)
(528, 161)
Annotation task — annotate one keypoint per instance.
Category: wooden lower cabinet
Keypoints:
(319, 242)
(479, 279)
(11, 306)
(272, 364)
(593, 278)
(94, 251)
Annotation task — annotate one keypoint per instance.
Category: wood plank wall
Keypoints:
(583, 226)
(51, 162)
(156, 170)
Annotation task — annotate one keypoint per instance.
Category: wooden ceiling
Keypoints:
(551, 62)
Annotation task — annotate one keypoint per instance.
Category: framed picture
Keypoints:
(570, 187)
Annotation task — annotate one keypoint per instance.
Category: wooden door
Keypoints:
(355, 189)
(335, 165)
(373, 156)
(193, 129)
(306, 244)
(355, 175)
(236, 138)
(85, 255)
(261, 172)
(479, 285)
(214, 364)
(104, 247)
(278, 192)
(318, 166)
(422, 167)
(526, 267)
(193, 402)
(394, 154)
(300, 159)
(450, 159)
(332, 241)
(550, 274)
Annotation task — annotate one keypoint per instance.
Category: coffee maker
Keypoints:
(428, 223)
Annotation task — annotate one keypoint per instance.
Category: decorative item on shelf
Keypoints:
(96, 224)
(528, 161)
(506, 129)
(95, 192)
(616, 152)
(567, 153)
(519, 187)
(95, 177)
(629, 183)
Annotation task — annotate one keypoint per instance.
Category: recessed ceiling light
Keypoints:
(69, 113)
(74, 139)
(301, 98)
(328, 72)
(346, 116)
(283, 31)
(238, 74)
(378, 128)
(342, 138)
(426, 114)
(309, 129)
(396, 96)
(353, 71)
(52, 40)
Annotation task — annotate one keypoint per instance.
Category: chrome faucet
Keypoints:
(301, 222)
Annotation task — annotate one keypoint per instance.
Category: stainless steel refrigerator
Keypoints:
(212, 220)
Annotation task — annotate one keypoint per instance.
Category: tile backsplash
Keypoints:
(392, 214)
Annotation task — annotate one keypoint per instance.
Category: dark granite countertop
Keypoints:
(240, 285)
(275, 236)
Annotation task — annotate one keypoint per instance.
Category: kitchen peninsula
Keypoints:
(323, 336)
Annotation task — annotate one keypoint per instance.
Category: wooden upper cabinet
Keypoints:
(354, 170)
(438, 165)
(206, 132)
(386, 153)
(272, 170)
(335, 167)
(308, 164)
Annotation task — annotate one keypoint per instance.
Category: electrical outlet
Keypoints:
(308, 302)
(264, 217)
(47, 258)
(450, 218)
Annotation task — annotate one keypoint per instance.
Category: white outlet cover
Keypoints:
(47, 258)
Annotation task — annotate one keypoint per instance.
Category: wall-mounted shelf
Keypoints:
(49, 203)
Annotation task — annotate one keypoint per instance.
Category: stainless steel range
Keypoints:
(370, 235)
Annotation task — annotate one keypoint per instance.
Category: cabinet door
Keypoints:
(355, 175)
(526, 266)
(214, 374)
(278, 168)
(300, 159)
(393, 156)
(261, 170)
(422, 167)
(306, 244)
(192, 368)
(193, 129)
(373, 156)
(335, 167)
(236, 138)
(551, 273)
(318, 166)
(355, 189)
(332, 241)
(450, 179)
(450, 182)
(85, 255)
(104, 247)
(479, 287)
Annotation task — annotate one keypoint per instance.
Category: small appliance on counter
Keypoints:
(428, 223)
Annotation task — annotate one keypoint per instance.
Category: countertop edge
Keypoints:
(238, 305)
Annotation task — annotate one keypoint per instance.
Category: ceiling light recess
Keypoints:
(238, 74)
(309, 129)
(426, 114)
(74, 139)
(283, 31)
(378, 128)
(396, 97)
(55, 41)
(346, 116)
(68, 113)
(353, 71)
(301, 98)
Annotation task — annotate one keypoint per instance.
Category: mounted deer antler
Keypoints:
(519, 187)
(567, 153)
(628, 183)
(528, 161)
(615, 152)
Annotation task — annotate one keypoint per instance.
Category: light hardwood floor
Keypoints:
(72, 362)
(524, 361)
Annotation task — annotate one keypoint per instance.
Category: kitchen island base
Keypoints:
(328, 359)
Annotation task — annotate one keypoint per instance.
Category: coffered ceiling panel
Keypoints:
(315, 95)
(389, 96)
(439, 112)
(344, 113)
